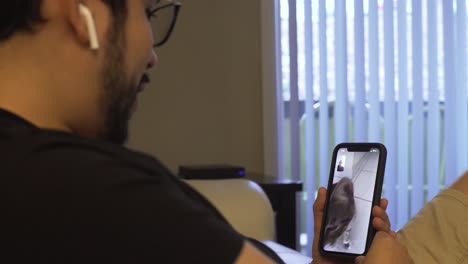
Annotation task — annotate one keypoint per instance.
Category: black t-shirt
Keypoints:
(67, 199)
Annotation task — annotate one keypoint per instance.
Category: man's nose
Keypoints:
(153, 60)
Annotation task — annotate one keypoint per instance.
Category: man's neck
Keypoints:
(26, 78)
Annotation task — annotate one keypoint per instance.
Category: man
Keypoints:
(340, 166)
(70, 75)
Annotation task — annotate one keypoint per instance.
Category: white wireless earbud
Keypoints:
(93, 39)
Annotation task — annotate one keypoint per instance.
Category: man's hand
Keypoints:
(385, 249)
(380, 222)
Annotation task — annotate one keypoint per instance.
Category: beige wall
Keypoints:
(205, 101)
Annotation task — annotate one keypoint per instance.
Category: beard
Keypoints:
(119, 92)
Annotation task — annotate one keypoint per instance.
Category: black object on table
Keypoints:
(282, 195)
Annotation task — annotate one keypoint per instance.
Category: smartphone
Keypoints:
(354, 187)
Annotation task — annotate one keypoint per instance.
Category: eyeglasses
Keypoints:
(164, 19)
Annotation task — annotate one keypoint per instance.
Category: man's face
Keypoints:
(128, 55)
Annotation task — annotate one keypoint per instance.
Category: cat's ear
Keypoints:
(349, 188)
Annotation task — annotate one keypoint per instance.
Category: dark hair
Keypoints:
(21, 15)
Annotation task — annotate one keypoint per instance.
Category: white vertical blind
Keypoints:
(417, 125)
(374, 80)
(272, 89)
(341, 104)
(461, 88)
(450, 88)
(277, 76)
(294, 91)
(403, 126)
(389, 111)
(433, 135)
(360, 114)
(323, 111)
(310, 126)
(399, 76)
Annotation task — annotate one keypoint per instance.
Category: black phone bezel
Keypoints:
(355, 147)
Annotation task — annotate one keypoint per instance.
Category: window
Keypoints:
(390, 71)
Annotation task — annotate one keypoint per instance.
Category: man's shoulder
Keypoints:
(104, 198)
(61, 152)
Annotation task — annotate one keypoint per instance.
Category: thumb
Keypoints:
(359, 260)
(319, 204)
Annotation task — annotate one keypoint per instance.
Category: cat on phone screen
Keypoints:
(340, 213)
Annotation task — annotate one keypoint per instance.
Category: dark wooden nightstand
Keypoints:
(282, 195)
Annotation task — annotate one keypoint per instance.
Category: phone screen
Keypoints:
(350, 203)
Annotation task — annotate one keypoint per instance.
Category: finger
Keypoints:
(384, 203)
(381, 225)
(380, 236)
(319, 204)
(378, 212)
(359, 260)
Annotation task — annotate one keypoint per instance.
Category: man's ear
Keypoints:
(90, 25)
(83, 23)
